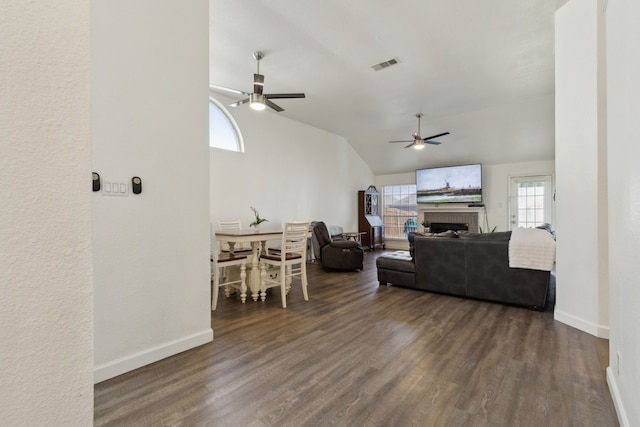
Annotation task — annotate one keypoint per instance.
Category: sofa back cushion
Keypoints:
(320, 238)
(502, 236)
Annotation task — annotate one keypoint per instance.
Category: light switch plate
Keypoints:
(115, 188)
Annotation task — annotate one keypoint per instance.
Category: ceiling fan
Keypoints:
(258, 100)
(418, 141)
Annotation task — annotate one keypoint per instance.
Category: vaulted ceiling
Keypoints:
(481, 70)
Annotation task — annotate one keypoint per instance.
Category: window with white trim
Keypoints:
(223, 130)
(399, 210)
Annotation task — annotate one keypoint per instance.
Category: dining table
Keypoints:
(258, 239)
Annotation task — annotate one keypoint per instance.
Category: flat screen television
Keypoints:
(450, 184)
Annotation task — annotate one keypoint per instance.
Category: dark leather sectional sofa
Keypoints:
(466, 265)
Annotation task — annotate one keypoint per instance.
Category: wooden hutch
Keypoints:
(369, 222)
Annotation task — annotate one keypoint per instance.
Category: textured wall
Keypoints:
(45, 253)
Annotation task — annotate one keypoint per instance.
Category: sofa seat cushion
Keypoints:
(399, 261)
(397, 268)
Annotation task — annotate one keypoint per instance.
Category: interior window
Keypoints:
(399, 210)
(223, 130)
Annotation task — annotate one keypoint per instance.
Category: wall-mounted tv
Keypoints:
(450, 184)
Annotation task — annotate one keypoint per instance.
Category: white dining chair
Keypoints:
(232, 226)
(291, 260)
(220, 274)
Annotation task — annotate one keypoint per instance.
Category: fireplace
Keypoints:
(467, 217)
(440, 227)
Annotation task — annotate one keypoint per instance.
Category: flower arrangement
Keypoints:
(258, 220)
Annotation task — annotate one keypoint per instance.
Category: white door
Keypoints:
(530, 201)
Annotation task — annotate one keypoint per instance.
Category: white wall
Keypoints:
(581, 201)
(46, 358)
(495, 192)
(150, 119)
(496, 178)
(289, 170)
(623, 93)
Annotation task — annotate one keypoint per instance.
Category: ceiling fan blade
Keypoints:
(226, 89)
(408, 140)
(274, 106)
(433, 142)
(284, 95)
(243, 101)
(410, 145)
(435, 136)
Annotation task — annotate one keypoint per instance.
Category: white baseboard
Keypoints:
(615, 396)
(599, 331)
(136, 360)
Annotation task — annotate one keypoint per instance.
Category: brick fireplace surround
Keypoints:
(461, 217)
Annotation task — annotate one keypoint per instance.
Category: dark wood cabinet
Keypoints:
(369, 221)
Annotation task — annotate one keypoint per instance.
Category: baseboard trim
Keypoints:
(128, 363)
(599, 331)
(617, 401)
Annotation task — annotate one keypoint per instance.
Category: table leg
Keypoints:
(254, 274)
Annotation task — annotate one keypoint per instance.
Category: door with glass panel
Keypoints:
(530, 201)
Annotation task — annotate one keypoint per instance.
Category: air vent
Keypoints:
(385, 64)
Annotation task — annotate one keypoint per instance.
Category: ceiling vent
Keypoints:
(385, 64)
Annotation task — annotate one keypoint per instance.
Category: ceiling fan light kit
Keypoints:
(418, 142)
(257, 100)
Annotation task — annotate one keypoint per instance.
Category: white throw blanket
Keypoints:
(532, 248)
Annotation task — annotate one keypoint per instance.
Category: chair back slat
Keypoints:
(230, 225)
(294, 239)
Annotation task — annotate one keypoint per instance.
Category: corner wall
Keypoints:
(581, 166)
(46, 342)
(623, 93)
(150, 119)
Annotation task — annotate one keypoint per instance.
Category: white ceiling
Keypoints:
(482, 70)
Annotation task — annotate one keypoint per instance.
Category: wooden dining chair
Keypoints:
(233, 226)
(220, 274)
(291, 260)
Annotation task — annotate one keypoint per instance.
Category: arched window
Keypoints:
(223, 130)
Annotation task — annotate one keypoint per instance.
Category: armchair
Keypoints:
(336, 254)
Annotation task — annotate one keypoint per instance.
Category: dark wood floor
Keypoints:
(358, 354)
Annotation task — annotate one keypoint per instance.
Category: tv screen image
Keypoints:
(450, 184)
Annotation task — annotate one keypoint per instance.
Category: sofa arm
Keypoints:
(344, 244)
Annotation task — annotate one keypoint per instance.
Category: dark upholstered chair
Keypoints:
(336, 254)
